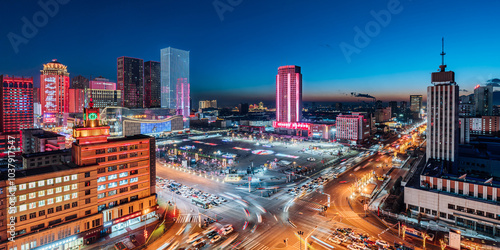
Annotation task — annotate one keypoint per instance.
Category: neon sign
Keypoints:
(292, 125)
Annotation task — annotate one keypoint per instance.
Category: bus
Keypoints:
(417, 234)
(200, 203)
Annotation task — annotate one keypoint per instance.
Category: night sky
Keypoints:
(235, 54)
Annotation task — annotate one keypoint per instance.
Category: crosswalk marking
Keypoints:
(186, 218)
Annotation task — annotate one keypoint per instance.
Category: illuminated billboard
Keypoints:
(292, 125)
(149, 128)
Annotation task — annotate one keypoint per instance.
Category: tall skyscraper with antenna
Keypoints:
(442, 116)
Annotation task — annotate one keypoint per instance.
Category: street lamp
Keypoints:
(300, 233)
(305, 243)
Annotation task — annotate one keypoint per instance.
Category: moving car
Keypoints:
(311, 159)
(215, 239)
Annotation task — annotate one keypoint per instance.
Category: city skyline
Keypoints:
(330, 67)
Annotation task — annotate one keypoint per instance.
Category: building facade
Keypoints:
(442, 116)
(152, 84)
(182, 97)
(79, 82)
(102, 83)
(289, 94)
(207, 104)
(483, 100)
(16, 104)
(103, 98)
(76, 100)
(54, 84)
(130, 80)
(174, 66)
(352, 128)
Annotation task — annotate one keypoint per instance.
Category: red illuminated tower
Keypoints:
(54, 94)
(289, 94)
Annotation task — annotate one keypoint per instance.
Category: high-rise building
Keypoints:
(76, 100)
(108, 185)
(466, 106)
(174, 70)
(38, 141)
(36, 95)
(394, 107)
(102, 83)
(103, 93)
(16, 104)
(289, 94)
(54, 84)
(403, 106)
(383, 114)
(152, 84)
(130, 79)
(208, 104)
(79, 82)
(442, 116)
(415, 103)
(483, 100)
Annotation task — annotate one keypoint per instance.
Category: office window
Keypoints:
(66, 197)
(50, 181)
(22, 208)
(87, 174)
(41, 203)
(58, 180)
(66, 206)
(124, 182)
(41, 213)
(41, 183)
(32, 195)
(41, 193)
(59, 199)
(58, 189)
(132, 180)
(32, 215)
(66, 188)
(22, 197)
(123, 174)
(87, 201)
(58, 208)
(74, 186)
(112, 185)
(32, 205)
(66, 178)
(110, 193)
(50, 210)
(22, 187)
(101, 179)
(87, 183)
(87, 192)
(22, 218)
(74, 195)
(50, 201)
(50, 191)
(74, 177)
(112, 177)
(101, 187)
(101, 195)
(32, 185)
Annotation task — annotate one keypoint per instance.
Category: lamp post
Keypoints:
(300, 233)
(305, 243)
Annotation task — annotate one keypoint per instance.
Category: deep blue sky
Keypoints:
(237, 58)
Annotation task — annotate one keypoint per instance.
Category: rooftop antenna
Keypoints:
(442, 66)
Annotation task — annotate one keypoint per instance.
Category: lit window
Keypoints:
(50, 201)
(41, 183)
(66, 197)
(58, 199)
(132, 180)
(41, 203)
(66, 178)
(32, 185)
(22, 208)
(74, 195)
(58, 180)
(22, 187)
(74, 186)
(22, 197)
(50, 191)
(124, 174)
(112, 177)
(50, 181)
(101, 179)
(111, 192)
(32, 205)
(58, 189)
(101, 187)
(41, 193)
(101, 195)
(123, 182)
(74, 177)
(32, 195)
(112, 185)
(66, 188)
